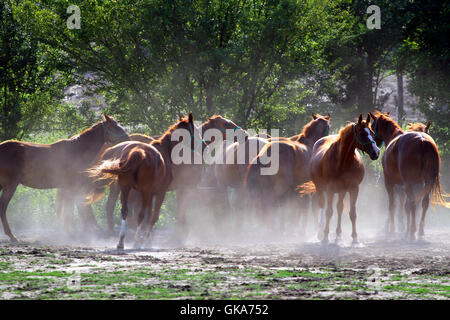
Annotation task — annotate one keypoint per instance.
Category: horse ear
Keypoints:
(372, 116)
(106, 117)
(315, 116)
(191, 118)
(427, 128)
(388, 113)
(328, 116)
(368, 118)
(360, 119)
(180, 117)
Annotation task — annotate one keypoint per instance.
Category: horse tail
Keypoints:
(431, 167)
(108, 171)
(306, 188)
(113, 168)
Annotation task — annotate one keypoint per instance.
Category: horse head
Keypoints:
(113, 132)
(222, 124)
(364, 137)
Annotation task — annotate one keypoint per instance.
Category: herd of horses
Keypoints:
(313, 166)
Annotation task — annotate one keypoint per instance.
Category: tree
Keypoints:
(156, 59)
(30, 84)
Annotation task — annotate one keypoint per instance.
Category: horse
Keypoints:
(398, 190)
(419, 127)
(411, 160)
(337, 167)
(146, 168)
(66, 197)
(293, 158)
(57, 165)
(186, 177)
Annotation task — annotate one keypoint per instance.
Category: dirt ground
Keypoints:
(40, 267)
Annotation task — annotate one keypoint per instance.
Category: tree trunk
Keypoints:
(401, 112)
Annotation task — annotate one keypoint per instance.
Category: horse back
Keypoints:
(411, 158)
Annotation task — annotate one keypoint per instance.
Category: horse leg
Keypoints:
(425, 204)
(411, 204)
(90, 223)
(124, 212)
(114, 192)
(319, 203)
(6, 196)
(181, 214)
(145, 203)
(68, 215)
(353, 197)
(159, 199)
(329, 214)
(339, 209)
(59, 205)
(400, 213)
(390, 223)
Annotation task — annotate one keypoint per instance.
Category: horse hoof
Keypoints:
(355, 243)
(325, 242)
(14, 240)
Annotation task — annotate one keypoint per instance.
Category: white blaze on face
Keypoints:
(369, 135)
(377, 150)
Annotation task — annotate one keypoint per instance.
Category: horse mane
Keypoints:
(216, 116)
(417, 126)
(339, 143)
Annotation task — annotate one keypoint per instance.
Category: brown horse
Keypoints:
(186, 177)
(419, 127)
(336, 167)
(411, 160)
(66, 197)
(398, 190)
(293, 170)
(148, 169)
(57, 165)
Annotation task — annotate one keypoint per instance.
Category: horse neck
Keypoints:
(301, 138)
(393, 132)
(345, 147)
(309, 137)
(88, 144)
(163, 145)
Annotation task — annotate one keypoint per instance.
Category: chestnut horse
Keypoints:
(66, 197)
(419, 127)
(336, 167)
(411, 160)
(186, 177)
(293, 170)
(57, 165)
(398, 190)
(148, 169)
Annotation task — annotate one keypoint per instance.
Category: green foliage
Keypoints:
(32, 77)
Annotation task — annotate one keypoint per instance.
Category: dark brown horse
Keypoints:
(411, 160)
(336, 167)
(293, 170)
(148, 169)
(57, 165)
